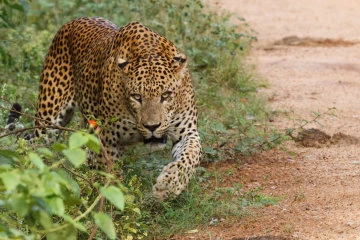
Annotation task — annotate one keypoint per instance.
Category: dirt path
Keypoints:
(316, 70)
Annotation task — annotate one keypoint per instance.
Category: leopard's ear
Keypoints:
(123, 64)
(179, 61)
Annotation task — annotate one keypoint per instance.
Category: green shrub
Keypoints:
(38, 197)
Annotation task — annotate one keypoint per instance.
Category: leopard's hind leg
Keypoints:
(56, 101)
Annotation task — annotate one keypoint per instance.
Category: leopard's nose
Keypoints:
(153, 127)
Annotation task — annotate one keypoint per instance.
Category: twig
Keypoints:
(26, 115)
(301, 126)
(50, 124)
(79, 176)
(81, 216)
(30, 128)
(101, 205)
(93, 232)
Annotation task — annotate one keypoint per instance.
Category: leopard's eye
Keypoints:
(136, 97)
(165, 95)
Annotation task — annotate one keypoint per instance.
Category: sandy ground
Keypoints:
(320, 183)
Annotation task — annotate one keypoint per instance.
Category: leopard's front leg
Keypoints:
(175, 176)
(111, 151)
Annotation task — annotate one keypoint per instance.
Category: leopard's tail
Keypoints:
(13, 122)
(13, 116)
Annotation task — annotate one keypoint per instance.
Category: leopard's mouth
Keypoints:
(154, 140)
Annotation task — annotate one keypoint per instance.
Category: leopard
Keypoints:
(135, 82)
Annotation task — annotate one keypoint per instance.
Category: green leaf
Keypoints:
(137, 210)
(77, 140)
(8, 157)
(20, 204)
(94, 144)
(69, 183)
(78, 225)
(68, 233)
(17, 7)
(209, 150)
(59, 147)
(44, 219)
(10, 180)
(45, 152)
(76, 156)
(219, 127)
(14, 233)
(36, 160)
(106, 224)
(114, 195)
(51, 184)
(56, 205)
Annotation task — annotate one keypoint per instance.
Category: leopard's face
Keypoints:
(152, 92)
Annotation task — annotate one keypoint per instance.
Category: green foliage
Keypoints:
(49, 192)
(201, 206)
(256, 198)
(39, 198)
(106, 224)
(115, 196)
(207, 203)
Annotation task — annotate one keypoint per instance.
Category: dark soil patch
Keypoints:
(313, 42)
(316, 138)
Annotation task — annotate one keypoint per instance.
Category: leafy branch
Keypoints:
(41, 184)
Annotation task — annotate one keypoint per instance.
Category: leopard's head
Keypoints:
(153, 93)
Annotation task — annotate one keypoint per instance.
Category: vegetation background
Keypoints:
(49, 191)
